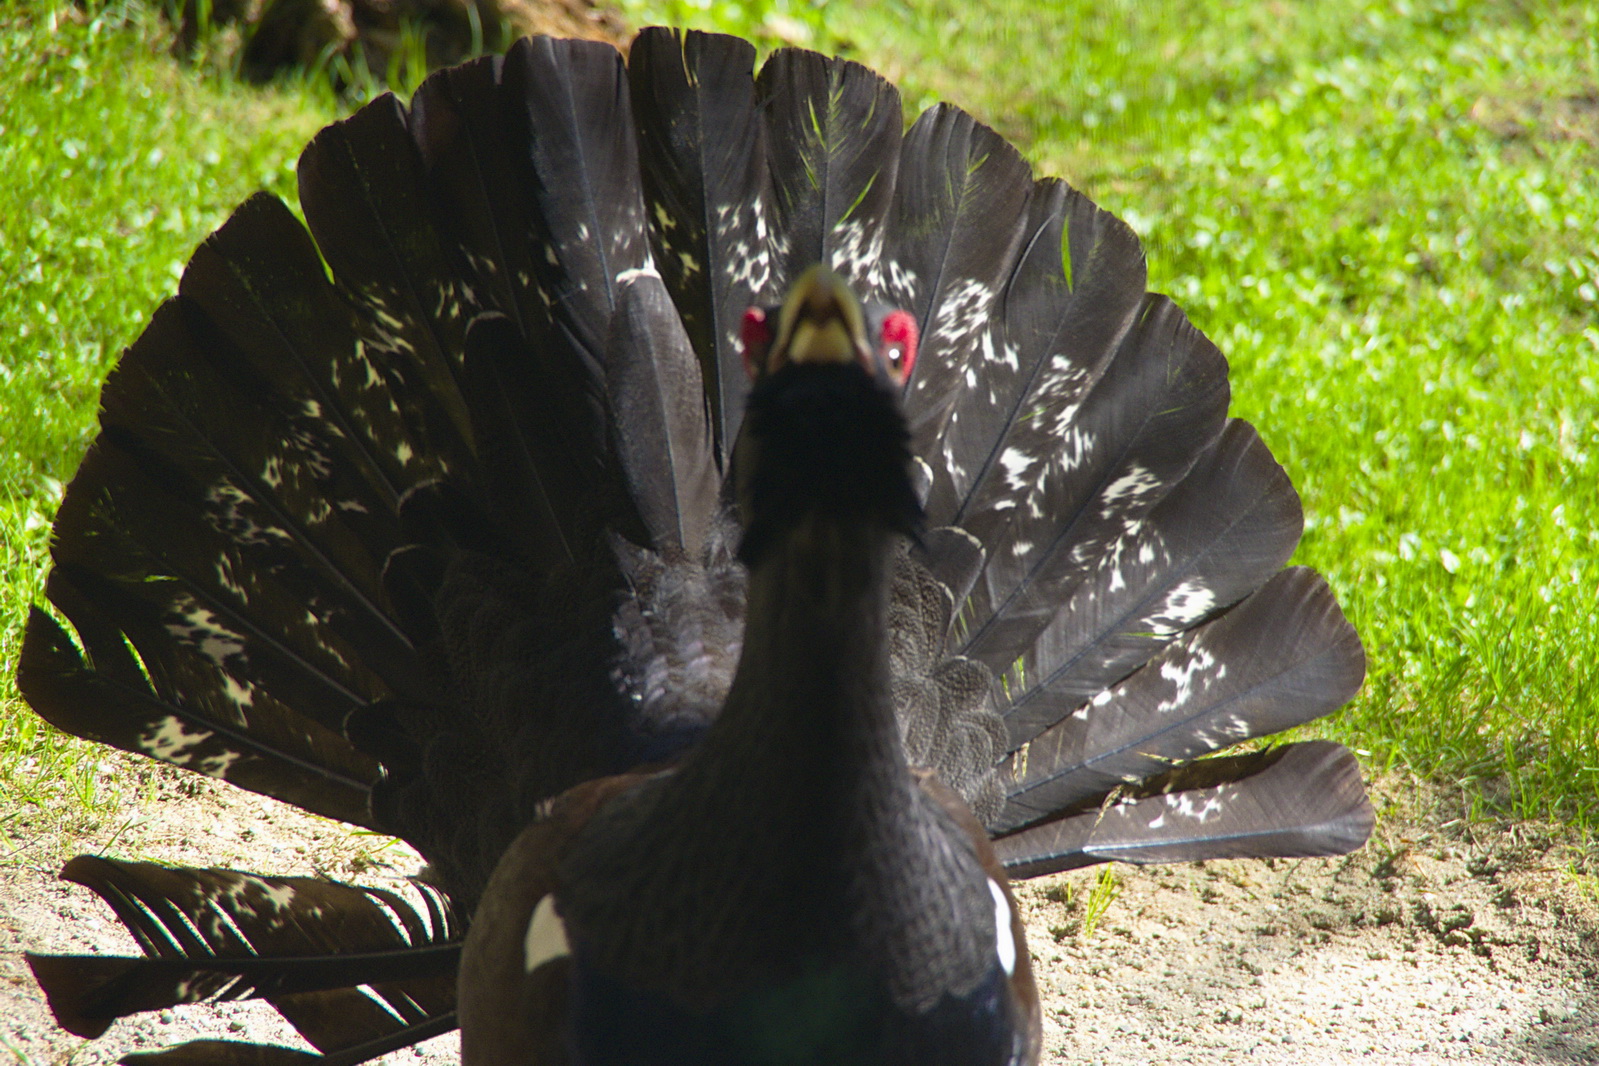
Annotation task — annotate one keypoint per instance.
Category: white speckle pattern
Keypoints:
(901, 283)
(858, 254)
(1198, 805)
(963, 314)
(225, 578)
(198, 627)
(170, 740)
(743, 231)
(217, 765)
(229, 513)
(1015, 463)
(627, 277)
(1184, 605)
(242, 693)
(279, 897)
(1133, 486)
(1189, 677)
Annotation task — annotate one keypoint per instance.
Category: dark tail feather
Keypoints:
(345, 965)
(1216, 537)
(946, 260)
(571, 110)
(1075, 292)
(1279, 659)
(526, 476)
(663, 440)
(1118, 534)
(303, 763)
(477, 193)
(229, 1053)
(833, 134)
(1159, 405)
(702, 149)
(1293, 801)
(364, 192)
(89, 992)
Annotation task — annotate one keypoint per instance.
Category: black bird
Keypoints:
(458, 518)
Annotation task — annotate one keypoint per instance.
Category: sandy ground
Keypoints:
(1440, 942)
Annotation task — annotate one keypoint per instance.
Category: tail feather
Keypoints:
(273, 752)
(88, 992)
(475, 182)
(1214, 539)
(1280, 658)
(945, 258)
(527, 481)
(570, 105)
(1052, 336)
(237, 1053)
(702, 149)
(234, 1053)
(365, 198)
(1160, 403)
(663, 440)
(833, 133)
(211, 590)
(1295, 801)
(342, 964)
(268, 306)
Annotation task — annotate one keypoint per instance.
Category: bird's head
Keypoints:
(824, 444)
(822, 323)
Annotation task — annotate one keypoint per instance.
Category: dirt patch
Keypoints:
(1572, 117)
(1442, 941)
(1431, 945)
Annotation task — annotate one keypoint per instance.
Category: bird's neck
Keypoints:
(787, 845)
(808, 728)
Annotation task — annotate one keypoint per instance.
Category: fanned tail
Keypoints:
(413, 515)
(1123, 545)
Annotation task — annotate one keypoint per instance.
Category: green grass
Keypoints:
(1383, 213)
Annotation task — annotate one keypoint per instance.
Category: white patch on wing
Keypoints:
(1004, 939)
(546, 936)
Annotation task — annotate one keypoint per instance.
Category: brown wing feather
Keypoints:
(508, 1016)
(1023, 988)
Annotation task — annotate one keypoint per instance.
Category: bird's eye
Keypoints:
(755, 336)
(898, 345)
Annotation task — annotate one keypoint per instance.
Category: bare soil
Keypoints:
(1442, 941)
